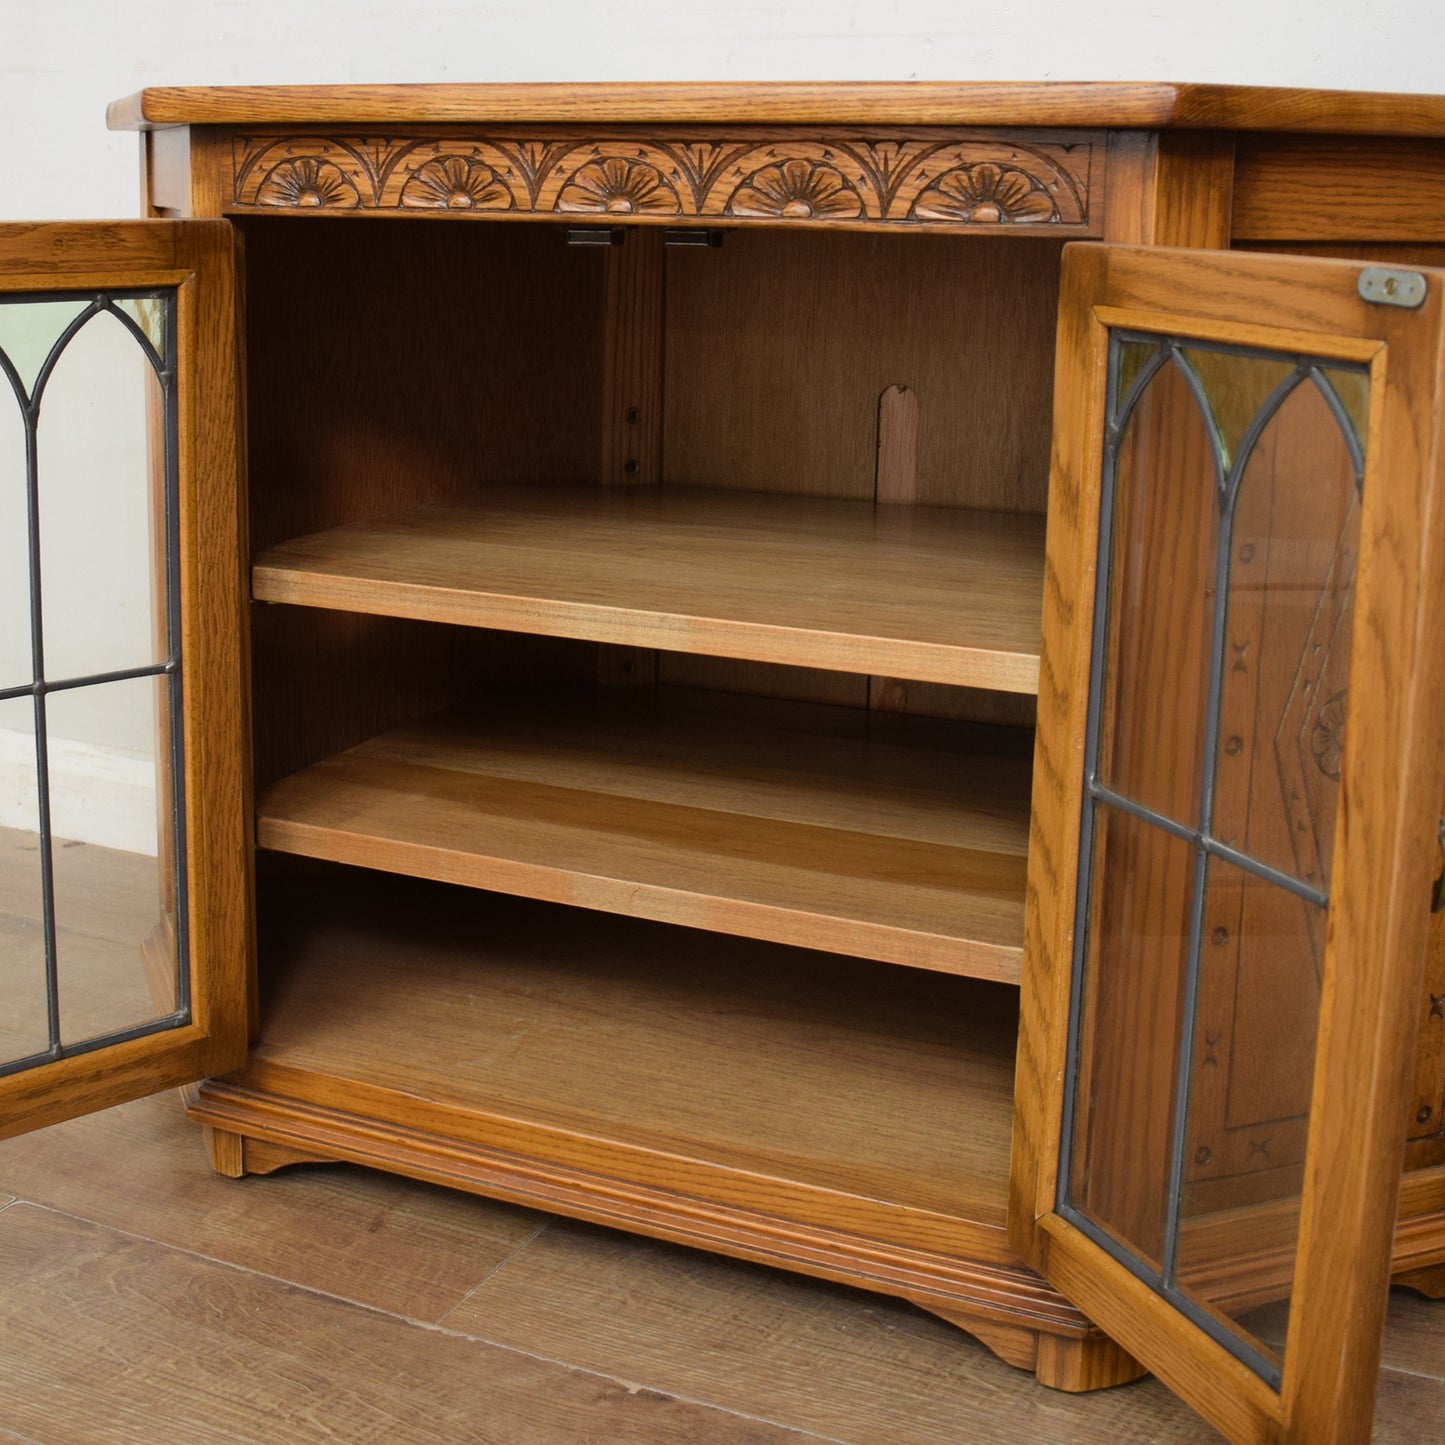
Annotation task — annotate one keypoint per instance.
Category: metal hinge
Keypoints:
(1387, 287)
(595, 235)
(692, 236)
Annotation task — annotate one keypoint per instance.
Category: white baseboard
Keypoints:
(97, 795)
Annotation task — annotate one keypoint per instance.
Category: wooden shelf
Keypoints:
(707, 1065)
(933, 594)
(879, 835)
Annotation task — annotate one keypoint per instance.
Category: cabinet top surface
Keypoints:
(1132, 105)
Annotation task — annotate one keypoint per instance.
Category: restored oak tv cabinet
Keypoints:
(724, 681)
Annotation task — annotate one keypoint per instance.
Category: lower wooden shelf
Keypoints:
(895, 838)
(830, 1115)
(765, 1069)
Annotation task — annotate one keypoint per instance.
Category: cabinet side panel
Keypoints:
(1339, 188)
(392, 365)
(1069, 580)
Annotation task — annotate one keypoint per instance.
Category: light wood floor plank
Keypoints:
(842, 1363)
(390, 1243)
(1415, 1337)
(1409, 1410)
(113, 1339)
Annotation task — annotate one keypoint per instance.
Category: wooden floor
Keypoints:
(143, 1298)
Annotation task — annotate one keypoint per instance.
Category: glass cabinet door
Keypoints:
(1241, 751)
(123, 858)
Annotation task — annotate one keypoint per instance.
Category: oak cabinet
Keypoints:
(725, 679)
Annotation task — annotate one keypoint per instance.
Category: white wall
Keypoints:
(62, 60)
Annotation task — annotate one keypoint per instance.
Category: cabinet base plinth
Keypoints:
(226, 1151)
(1075, 1362)
(1429, 1282)
(1093, 1362)
(989, 1293)
(236, 1155)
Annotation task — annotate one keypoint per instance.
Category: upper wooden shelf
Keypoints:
(1121, 105)
(931, 594)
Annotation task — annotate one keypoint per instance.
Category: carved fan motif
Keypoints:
(309, 183)
(943, 179)
(619, 187)
(456, 183)
(798, 190)
(988, 194)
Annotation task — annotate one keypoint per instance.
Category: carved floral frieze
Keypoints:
(930, 182)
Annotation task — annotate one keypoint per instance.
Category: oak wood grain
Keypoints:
(608, 1029)
(34, 254)
(197, 259)
(1379, 900)
(892, 840)
(785, 395)
(1338, 188)
(980, 181)
(369, 391)
(1380, 878)
(1169, 189)
(1071, 566)
(936, 594)
(897, 475)
(1164, 189)
(114, 1338)
(635, 284)
(211, 583)
(1130, 105)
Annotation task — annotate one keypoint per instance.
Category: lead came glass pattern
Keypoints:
(93, 945)
(1229, 527)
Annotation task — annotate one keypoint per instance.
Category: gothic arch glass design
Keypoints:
(1229, 527)
(90, 675)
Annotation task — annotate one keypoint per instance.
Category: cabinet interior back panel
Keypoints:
(398, 364)
(779, 347)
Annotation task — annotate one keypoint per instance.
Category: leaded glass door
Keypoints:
(124, 863)
(1240, 756)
